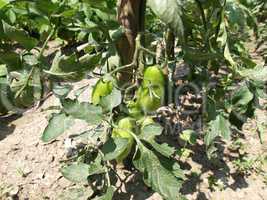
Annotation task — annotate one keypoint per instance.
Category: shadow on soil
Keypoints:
(219, 170)
(134, 189)
(6, 128)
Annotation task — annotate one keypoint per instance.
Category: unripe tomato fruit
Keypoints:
(134, 109)
(153, 76)
(148, 100)
(101, 89)
(125, 125)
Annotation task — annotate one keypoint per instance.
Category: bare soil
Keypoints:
(29, 169)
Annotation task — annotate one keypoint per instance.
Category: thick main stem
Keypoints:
(131, 16)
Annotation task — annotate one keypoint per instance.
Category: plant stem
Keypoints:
(202, 14)
(138, 48)
(106, 166)
(39, 57)
(46, 42)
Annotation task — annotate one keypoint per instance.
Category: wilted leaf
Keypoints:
(72, 68)
(61, 91)
(258, 73)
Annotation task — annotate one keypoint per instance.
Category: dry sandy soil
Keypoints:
(29, 169)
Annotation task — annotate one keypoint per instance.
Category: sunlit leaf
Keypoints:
(79, 172)
(170, 12)
(83, 111)
(114, 147)
(218, 127)
(58, 124)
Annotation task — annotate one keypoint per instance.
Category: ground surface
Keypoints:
(29, 169)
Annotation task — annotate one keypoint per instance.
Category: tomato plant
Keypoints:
(133, 49)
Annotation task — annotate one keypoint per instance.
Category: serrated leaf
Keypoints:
(57, 125)
(170, 12)
(156, 176)
(19, 36)
(83, 111)
(218, 127)
(114, 147)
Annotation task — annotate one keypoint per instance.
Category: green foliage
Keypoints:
(210, 38)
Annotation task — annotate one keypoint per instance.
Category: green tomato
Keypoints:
(124, 126)
(153, 76)
(134, 109)
(100, 90)
(122, 131)
(150, 99)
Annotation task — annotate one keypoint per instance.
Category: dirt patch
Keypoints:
(29, 169)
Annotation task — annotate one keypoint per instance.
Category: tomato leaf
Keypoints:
(3, 3)
(108, 196)
(80, 172)
(83, 111)
(169, 11)
(150, 131)
(58, 124)
(19, 36)
(189, 136)
(112, 100)
(114, 147)
(76, 193)
(218, 127)
(156, 176)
